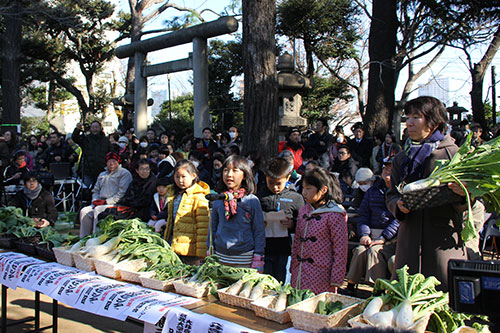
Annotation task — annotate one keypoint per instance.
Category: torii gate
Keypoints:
(197, 61)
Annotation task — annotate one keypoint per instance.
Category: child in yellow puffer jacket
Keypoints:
(186, 225)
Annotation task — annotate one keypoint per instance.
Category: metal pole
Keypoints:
(140, 96)
(200, 86)
(493, 96)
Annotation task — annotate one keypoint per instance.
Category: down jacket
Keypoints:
(374, 214)
(190, 228)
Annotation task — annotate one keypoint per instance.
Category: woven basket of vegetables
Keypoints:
(107, 266)
(83, 263)
(196, 290)
(249, 288)
(129, 270)
(324, 310)
(162, 285)
(64, 256)
(264, 308)
(419, 326)
(430, 197)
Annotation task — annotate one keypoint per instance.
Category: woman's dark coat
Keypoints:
(42, 207)
(427, 238)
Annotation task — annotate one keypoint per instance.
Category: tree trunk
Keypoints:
(260, 78)
(381, 78)
(11, 68)
(477, 74)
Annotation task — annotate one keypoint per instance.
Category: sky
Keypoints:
(451, 65)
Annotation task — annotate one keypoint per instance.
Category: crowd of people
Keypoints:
(322, 191)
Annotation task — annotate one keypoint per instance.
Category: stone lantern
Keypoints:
(290, 84)
(455, 113)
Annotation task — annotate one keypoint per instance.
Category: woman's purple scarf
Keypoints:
(417, 153)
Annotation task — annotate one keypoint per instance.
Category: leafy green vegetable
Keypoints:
(298, 295)
(447, 321)
(327, 308)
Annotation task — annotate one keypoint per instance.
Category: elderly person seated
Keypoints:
(377, 229)
(110, 187)
(35, 201)
(364, 180)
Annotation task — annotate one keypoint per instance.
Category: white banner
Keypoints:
(12, 269)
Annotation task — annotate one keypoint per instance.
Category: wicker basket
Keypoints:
(63, 256)
(152, 283)
(106, 267)
(236, 300)
(303, 314)
(85, 264)
(418, 326)
(129, 270)
(197, 291)
(430, 197)
(261, 309)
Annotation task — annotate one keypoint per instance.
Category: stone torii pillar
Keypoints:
(197, 61)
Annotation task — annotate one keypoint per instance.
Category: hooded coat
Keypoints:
(429, 237)
(190, 227)
(319, 250)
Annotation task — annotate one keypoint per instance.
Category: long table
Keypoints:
(96, 294)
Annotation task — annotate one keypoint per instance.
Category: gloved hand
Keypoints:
(151, 223)
(258, 263)
(159, 224)
(99, 202)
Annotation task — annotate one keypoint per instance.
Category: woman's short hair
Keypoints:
(432, 109)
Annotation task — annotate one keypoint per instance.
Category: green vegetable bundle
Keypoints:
(328, 308)
(12, 218)
(477, 171)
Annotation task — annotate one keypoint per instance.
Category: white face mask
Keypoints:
(364, 188)
(143, 144)
(122, 144)
(196, 163)
(232, 135)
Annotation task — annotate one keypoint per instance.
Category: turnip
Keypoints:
(384, 319)
(405, 315)
(373, 307)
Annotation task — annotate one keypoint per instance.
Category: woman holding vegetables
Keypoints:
(428, 237)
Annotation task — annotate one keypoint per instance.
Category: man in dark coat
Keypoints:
(35, 201)
(140, 192)
(360, 147)
(95, 146)
(58, 151)
(321, 141)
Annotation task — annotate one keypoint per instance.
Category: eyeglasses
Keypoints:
(144, 169)
(343, 153)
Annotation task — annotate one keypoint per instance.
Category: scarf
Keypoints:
(32, 194)
(417, 154)
(231, 206)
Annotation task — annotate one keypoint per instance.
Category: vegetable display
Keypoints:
(447, 321)
(476, 170)
(12, 218)
(404, 302)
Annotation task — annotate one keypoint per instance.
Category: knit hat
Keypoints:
(123, 139)
(163, 181)
(364, 175)
(114, 156)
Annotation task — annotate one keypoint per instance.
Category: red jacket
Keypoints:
(297, 154)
